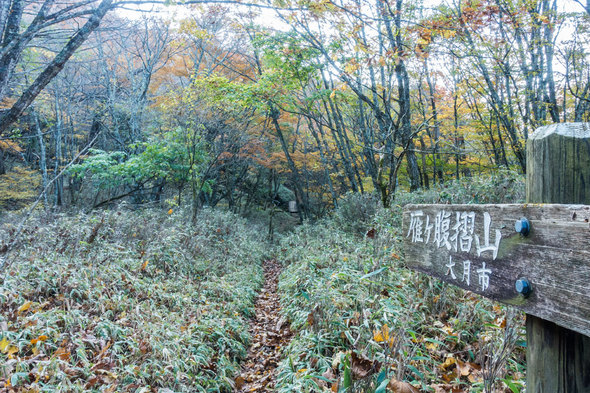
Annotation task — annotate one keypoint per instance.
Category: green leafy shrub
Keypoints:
(176, 158)
(501, 187)
(356, 211)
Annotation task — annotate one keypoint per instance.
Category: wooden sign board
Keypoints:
(477, 248)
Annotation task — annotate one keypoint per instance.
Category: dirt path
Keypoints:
(270, 333)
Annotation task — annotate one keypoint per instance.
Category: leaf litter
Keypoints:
(270, 333)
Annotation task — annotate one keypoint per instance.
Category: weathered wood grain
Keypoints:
(557, 358)
(558, 171)
(558, 164)
(554, 257)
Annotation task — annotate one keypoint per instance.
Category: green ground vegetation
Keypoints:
(144, 300)
(365, 323)
(128, 301)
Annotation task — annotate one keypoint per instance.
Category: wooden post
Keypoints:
(534, 256)
(558, 171)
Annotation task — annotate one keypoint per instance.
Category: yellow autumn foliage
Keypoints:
(10, 146)
(382, 336)
(18, 188)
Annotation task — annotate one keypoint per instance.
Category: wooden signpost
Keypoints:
(534, 256)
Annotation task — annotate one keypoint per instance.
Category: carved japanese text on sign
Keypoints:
(477, 248)
(455, 231)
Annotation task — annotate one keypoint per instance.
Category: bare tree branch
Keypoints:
(54, 67)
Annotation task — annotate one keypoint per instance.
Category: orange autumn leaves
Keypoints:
(41, 338)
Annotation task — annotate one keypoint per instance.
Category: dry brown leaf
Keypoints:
(381, 335)
(401, 387)
(91, 382)
(270, 332)
(335, 387)
(24, 307)
(475, 376)
(38, 339)
(475, 366)
(361, 366)
(451, 375)
(310, 319)
(464, 368)
(104, 349)
(111, 388)
(62, 353)
(440, 388)
(239, 381)
(329, 374)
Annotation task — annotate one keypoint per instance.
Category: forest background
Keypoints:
(350, 108)
(208, 105)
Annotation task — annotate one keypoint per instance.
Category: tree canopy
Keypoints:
(225, 101)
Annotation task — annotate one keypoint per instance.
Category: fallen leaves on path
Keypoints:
(270, 333)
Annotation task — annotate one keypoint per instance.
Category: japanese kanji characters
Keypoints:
(487, 220)
(416, 224)
(463, 229)
(484, 277)
(442, 224)
(450, 268)
(418, 227)
(466, 272)
(456, 231)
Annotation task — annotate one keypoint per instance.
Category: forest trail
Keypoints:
(270, 333)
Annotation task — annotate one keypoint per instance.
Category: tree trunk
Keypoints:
(339, 137)
(2, 163)
(299, 194)
(4, 9)
(496, 102)
(403, 81)
(42, 160)
(315, 135)
(437, 172)
(14, 12)
(424, 172)
(58, 187)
